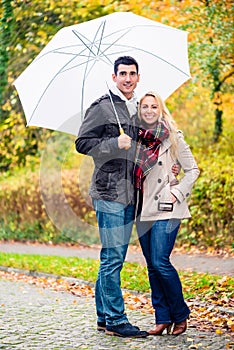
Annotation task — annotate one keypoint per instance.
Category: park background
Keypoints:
(33, 160)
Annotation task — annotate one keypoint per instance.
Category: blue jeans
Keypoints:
(157, 240)
(115, 222)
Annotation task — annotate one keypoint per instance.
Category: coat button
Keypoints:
(160, 162)
(156, 198)
(159, 181)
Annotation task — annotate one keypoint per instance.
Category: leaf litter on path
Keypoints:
(206, 313)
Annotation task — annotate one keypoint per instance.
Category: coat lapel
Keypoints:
(165, 146)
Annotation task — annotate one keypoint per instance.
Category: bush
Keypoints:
(211, 204)
(27, 207)
(55, 206)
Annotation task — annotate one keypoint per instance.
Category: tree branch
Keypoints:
(223, 80)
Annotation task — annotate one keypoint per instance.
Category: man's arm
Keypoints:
(93, 139)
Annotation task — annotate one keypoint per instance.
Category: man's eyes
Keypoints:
(123, 74)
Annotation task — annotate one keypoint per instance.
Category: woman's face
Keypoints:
(149, 111)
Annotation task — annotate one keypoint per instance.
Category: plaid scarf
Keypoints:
(148, 145)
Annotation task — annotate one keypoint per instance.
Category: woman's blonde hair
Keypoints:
(164, 115)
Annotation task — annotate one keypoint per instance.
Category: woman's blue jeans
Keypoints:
(157, 240)
(115, 222)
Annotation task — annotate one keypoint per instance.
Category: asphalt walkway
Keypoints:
(194, 262)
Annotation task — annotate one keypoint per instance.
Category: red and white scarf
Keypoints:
(149, 141)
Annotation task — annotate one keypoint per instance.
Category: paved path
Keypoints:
(201, 263)
(35, 318)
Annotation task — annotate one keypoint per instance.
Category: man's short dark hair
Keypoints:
(126, 60)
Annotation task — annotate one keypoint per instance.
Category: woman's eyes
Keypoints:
(149, 107)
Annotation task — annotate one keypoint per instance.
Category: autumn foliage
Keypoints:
(202, 109)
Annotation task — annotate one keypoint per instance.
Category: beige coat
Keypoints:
(160, 183)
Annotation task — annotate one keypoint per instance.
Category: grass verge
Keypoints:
(133, 275)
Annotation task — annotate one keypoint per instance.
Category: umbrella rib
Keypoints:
(113, 43)
(80, 64)
(89, 48)
(83, 85)
(78, 35)
(101, 38)
(162, 59)
(93, 42)
(47, 87)
(86, 68)
(56, 51)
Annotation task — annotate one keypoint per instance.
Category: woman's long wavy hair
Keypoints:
(164, 115)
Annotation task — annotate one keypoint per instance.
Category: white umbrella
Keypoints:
(76, 65)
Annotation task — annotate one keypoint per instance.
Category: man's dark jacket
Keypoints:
(98, 137)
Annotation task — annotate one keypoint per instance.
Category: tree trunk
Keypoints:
(218, 127)
(5, 37)
(218, 124)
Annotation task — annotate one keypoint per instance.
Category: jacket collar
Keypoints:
(165, 146)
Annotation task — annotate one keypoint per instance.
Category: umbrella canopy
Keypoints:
(76, 65)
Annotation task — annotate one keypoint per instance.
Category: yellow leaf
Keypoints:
(230, 323)
(131, 307)
(189, 339)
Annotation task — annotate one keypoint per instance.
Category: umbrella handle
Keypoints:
(121, 131)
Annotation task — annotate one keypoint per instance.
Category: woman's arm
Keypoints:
(191, 172)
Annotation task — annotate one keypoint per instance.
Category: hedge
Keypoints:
(25, 214)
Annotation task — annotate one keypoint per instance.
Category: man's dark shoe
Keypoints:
(101, 326)
(126, 330)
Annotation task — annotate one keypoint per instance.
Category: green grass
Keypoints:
(133, 275)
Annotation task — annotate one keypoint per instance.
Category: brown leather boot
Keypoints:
(160, 328)
(180, 328)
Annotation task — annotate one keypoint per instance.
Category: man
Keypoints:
(112, 189)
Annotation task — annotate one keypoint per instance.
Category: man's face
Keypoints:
(126, 79)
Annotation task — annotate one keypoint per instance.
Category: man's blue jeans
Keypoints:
(157, 240)
(115, 222)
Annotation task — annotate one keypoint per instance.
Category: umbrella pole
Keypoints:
(121, 130)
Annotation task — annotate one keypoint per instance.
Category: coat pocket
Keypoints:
(163, 200)
(107, 177)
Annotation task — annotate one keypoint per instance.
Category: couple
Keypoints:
(133, 179)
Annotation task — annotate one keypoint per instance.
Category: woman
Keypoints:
(161, 204)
